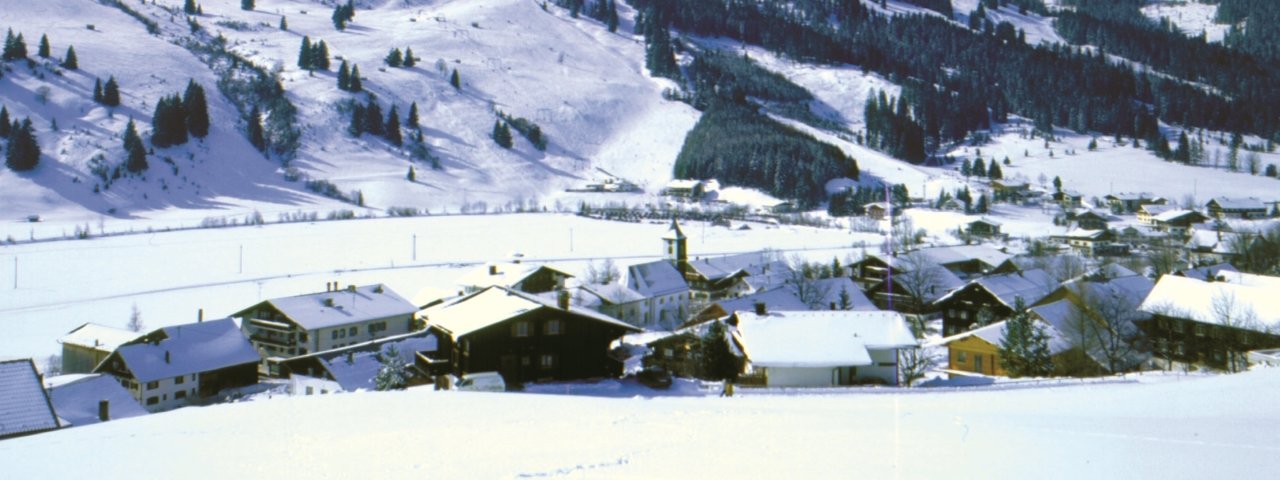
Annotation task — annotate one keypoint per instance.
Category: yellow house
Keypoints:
(978, 351)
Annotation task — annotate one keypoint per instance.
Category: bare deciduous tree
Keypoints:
(803, 280)
(914, 363)
(604, 273)
(1228, 311)
(1102, 323)
(135, 320)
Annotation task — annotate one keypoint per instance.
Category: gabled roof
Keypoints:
(820, 339)
(750, 264)
(77, 400)
(354, 367)
(994, 334)
(24, 406)
(1030, 285)
(1095, 214)
(945, 256)
(987, 221)
(101, 337)
(683, 184)
(1175, 215)
(655, 279)
(1213, 242)
(1228, 203)
(784, 298)
(1156, 208)
(1206, 272)
(1129, 196)
(186, 349)
(1082, 234)
(1200, 301)
(495, 305)
(504, 274)
(611, 293)
(342, 307)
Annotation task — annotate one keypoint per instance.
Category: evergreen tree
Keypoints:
(455, 80)
(1093, 144)
(320, 56)
(111, 92)
(982, 204)
(257, 137)
(43, 49)
(373, 119)
(412, 176)
(169, 123)
(966, 168)
(412, 121)
(979, 168)
(409, 61)
(611, 18)
(15, 48)
(284, 24)
(5, 126)
(1183, 152)
(502, 134)
(394, 58)
(392, 129)
(23, 153)
(356, 127)
(304, 54)
(1024, 351)
(344, 77)
(355, 85)
(97, 90)
(994, 172)
(135, 151)
(69, 60)
(189, 7)
(339, 18)
(717, 361)
(659, 56)
(393, 374)
(246, 4)
(1057, 183)
(197, 110)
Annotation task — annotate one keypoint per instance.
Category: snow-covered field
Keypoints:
(1192, 17)
(60, 285)
(1210, 427)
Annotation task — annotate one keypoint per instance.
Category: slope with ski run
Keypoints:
(1211, 427)
(220, 172)
(584, 86)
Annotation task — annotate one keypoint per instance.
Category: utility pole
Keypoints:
(15, 272)
(241, 258)
(415, 247)
(570, 239)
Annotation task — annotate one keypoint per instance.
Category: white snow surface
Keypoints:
(1182, 427)
(1192, 17)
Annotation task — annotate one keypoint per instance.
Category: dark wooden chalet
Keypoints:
(984, 227)
(524, 337)
(1246, 208)
(990, 299)
(1212, 323)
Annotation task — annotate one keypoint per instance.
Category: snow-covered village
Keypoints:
(639, 238)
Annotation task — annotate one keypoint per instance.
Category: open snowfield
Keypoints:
(1211, 427)
(170, 275)
(1192, 17)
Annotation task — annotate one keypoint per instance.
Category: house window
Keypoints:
(353, 331)
(335, 335)
(303, 337)
(552, 327)
(153, 400)
(311, 390)
(1179, 327)
(179, 380)
(180, 395)
(668, 353)
(342, 333)
(525, 361)
(520, 329)
(1200, 329)
(962, 357)
(547, 361)
(153, 385)
(1178, 350)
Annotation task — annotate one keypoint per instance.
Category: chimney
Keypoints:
(351, 288)
(328, 302)
(493, 269)
(104, 410)
(377, 289)
(200, 316)
(833, 305)
(166, 356)
(761, 308)
(562, 299)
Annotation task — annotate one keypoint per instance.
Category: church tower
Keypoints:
(676, 245)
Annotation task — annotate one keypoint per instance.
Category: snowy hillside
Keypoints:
(1214, 427)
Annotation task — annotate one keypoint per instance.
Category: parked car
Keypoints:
(482, 382)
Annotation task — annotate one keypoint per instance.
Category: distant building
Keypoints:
(176, 366)
(355, 367)
(25, 408)
(1213, 323)
(88, 399)
(1177, 223)
(1244, 208)
(984, 227)
(89, 344)
(1131, 202)
(686, 189)
(839, 293)
(992, 298)
(820, 349)
(978, 350)
(1147, 213)
(315, 322)
(518, 276)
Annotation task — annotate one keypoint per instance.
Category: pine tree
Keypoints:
(246, 4)
(412, 176)
(320, 56)
(356, 128)
(135, 151)
(1093, 144)
(189, 7)
(5, 126)
(394, 372)
(111, 92)
(43, 49)
(344, 77)
(304, 54)
(716, 361)
(982, 204)
(284, 24)
(23, 153)
(197, 110)
(1024, 351)
(1057, 183)
(373, 119)
(169, 124)
(412, 121)
(612, 17)
(254, 130)
(392, 129)
(97, 90)
(15, 47)
(455, 80)
(409, 61)
(994, 172)
(502, 134)
(979, 168)
(1183, 152)
(339, 19)
(355, 85)
(394, 58)
(69, 60)
(966, 168)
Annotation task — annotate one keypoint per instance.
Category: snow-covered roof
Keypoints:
(1082, 234)
(77, 400)
(1230, 203)
(987, 221)
(994, 334)
(342, 307)
(100, 337)
(24, 407)
(1208, 302)
(683, 184)
(945, 256)
(655, 279)
(1206, 272)
(429, 295)
(751, 264)
(187, 349)
(614, 293)
(1156, 208)
(820, 339)
(503, 274)
(494, 305)
(1030, 285)
(1172, 215)
(1214, 242)
(784, 298)
(354, 367)
(1129, 196)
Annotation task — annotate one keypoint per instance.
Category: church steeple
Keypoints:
(676, 245)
